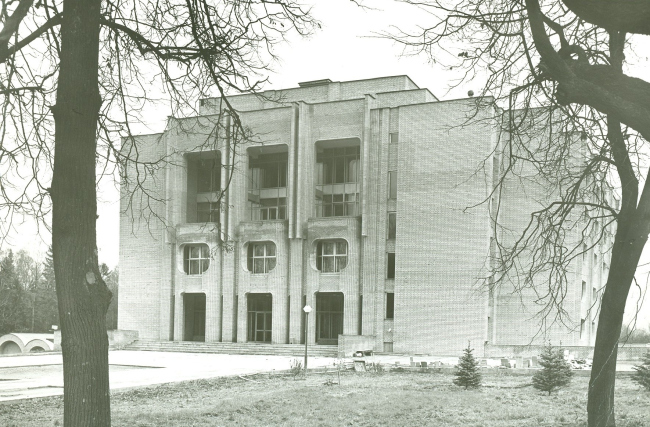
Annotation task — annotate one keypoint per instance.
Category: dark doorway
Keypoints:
(194, 305)
(329, 317)
(260, 314)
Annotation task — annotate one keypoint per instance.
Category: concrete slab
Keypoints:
(24, 377)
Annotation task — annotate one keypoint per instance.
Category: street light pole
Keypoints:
(307, 310)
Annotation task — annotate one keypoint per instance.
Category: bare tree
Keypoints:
(558, 71)
(75, 77)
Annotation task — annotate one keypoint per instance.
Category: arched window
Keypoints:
(331, 255)
(261, 257)
(196, 258)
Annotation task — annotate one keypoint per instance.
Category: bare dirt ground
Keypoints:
(362, 399)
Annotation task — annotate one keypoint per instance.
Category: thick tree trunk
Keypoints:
(82, 295)
(600, 403)
(625, 258)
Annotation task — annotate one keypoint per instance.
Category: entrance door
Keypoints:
(260, 315)
(194, 305)
(329, 317)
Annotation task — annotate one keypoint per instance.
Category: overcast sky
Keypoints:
(345, 48)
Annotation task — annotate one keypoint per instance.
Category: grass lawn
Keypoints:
(362, 399)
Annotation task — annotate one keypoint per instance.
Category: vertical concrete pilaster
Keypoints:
(279, 328)
(351, 313)
(179, 321)
(292, 181)
(242, 314)
(365, 152)
(295, 289)
(311, 327)
(212, 289)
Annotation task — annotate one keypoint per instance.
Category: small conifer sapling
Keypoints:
(642, 374)
(555, 373)
(468, 374)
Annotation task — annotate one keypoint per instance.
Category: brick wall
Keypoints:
(441, 245)
(142, 235)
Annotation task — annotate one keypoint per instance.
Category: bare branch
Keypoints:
(12, 23)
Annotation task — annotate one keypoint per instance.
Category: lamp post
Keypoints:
(307, 310)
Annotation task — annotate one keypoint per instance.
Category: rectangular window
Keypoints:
(207, 212)
(203, 187)
(261, 257)
(196, 259)
(331, 256)
(339, 165)
(390, 271)
(394, 137)
(392, 224)
(390, 305)
(267, 181)
(337, 182)
(392, 185)
(208, 176)
(593, 328)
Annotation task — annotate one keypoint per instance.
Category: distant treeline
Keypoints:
(634, 335)
(28, 293)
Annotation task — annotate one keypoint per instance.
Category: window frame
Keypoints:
(212, 213)
(391, 232)
(272, 174)
(265, 257)
(390, 272)
(392, 185)
(203, 258)
(213, 166)
(339, 261)
(337, 164)
(338, 175)
(390, 306)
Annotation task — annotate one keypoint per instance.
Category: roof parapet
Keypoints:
(311, 83)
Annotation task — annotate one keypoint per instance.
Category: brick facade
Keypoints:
(439, 159)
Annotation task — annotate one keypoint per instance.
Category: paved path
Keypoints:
(38, 375)
(24, 377)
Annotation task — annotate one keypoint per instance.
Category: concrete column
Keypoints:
(242, 317)
(167, 264)
(225, 172)
(365, 153)
(291, 179)
(279, 327)
(351, 314)
(179, 321)
(304, 142)
(213, 307)
(311, 301)
(295, 289)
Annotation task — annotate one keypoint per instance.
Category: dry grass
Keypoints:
(394, 399)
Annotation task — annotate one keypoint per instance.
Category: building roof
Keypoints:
(314, 91)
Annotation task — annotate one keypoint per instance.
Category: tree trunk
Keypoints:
(82, 295)
(625, 258)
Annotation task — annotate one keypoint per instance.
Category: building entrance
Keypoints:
(329, 317)
(194, 306)
(260, 315)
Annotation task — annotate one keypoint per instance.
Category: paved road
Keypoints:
(23, 377)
